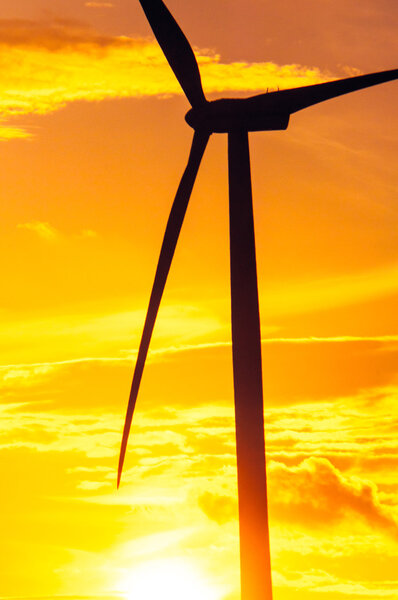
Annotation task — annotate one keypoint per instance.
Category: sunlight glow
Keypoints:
(169, 579)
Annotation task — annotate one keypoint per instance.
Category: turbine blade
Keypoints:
(172, 232)
(176, 48)
(290, 101)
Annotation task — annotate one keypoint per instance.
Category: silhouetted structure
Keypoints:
(236, 117)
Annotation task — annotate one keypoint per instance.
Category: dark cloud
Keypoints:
(56, 34)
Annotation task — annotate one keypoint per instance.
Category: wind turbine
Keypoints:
(236, 117)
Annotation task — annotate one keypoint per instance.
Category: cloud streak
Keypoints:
(43, 230)
(13, 373)
(49, 233)
(8, 133)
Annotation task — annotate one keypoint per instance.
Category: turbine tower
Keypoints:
(235, 117)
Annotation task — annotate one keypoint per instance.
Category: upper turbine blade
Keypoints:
(290, 101)
(176, 48)
(172, 232)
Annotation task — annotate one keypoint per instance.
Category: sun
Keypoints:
(168, 579)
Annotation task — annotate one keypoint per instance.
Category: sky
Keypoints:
(92, 144)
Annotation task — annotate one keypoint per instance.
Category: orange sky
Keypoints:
(93, 143)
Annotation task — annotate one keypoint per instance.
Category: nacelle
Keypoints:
(223, 116)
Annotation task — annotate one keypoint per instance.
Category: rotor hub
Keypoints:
(232, 114)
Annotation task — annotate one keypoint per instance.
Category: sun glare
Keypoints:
(168, 579)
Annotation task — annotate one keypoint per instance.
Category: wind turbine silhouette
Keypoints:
(236, 117)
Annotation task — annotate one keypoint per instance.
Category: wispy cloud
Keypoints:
(68, 597)
(93, 435)
(324, 583)
(22, 372)
(8, 133)
(49, 233)
(42, 229)
(107, 336)
(99, 4)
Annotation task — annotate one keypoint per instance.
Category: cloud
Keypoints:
(95, 436)
(44, 230)
(330, 585)
(315, 493)
(107, 336)
(355, 433)
(346, 367)
(218, 508)
(331, 339)
(99, 4)
(46, 65)
(93, 485)
(54, 35)
(69, 597)
(8, 133)
(88, 233)
(315, 454)
(47, 232)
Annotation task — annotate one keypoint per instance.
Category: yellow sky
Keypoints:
(93, 143)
